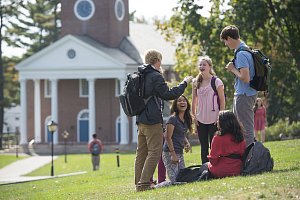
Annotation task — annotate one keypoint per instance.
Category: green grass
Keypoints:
(112, 182)
(8, 159)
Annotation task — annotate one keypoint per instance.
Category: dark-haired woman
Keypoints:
(179, 123)
(228, 141)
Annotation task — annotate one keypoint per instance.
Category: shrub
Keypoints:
(282, 129)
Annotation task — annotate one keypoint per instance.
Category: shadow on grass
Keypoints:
(285, 170)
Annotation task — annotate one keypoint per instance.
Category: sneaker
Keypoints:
(143, 187)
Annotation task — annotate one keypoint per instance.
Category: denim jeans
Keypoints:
(149, 149)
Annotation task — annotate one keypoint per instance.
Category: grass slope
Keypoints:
(112, 182)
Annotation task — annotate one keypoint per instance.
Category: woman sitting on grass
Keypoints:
(177, 126)
(229, 140)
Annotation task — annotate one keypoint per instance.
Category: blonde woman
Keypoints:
(204, 104)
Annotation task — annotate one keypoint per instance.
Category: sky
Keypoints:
(159, 8)
(147, 8)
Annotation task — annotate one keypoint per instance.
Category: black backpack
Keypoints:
(96, 149)
(262, 68)
(214, 87)
(193, 173)
(132, 99)
(257, 159)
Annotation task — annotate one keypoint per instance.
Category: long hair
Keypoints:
(256, 104)
(199, 77)
(229, 124)
(187, 113)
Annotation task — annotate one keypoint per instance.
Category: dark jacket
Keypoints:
(155, 85)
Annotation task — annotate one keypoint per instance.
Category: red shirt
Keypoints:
(223, 146)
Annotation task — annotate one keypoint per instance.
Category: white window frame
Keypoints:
(117, 87)
(47, 89)
(81, 89)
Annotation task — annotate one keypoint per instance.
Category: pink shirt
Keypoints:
(206, 98)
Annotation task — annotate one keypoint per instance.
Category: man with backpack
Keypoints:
(150, 120)
(243, 69)
(95, 147)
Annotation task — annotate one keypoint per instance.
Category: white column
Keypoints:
(124, 128)
(54, 107)
(92, 108)
(23, 102)
(134, 130)
(37, 111)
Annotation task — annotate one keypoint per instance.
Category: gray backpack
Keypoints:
(257, 159)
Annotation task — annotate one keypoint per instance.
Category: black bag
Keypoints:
(262, 66)
(132, 99)
(96, 149)
(257, 159)
(193, 173)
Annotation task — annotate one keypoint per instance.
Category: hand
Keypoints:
(229, 66)
(188, 79)
(174, 159)
(187, 147)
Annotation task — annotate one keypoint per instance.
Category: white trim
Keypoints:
(87, 17)
(47, 93)
(48, 118)
(37, 111)
(80, 89)
(118, 120)
(119, 18)
(118, 88)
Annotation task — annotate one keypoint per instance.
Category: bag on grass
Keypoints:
(257, 159)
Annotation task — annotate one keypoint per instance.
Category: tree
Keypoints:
(7, 8)
(36, 25)
(275, 28)
(270, 25)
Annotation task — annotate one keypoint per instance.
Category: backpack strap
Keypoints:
(214, 87)
(242, 48)
(233, 156)
(247, 150)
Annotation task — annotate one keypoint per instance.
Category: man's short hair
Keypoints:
(152, 56)
(94, 135)
(230, 31)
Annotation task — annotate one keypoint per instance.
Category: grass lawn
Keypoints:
(112, 182)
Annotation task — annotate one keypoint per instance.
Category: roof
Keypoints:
(145, 36)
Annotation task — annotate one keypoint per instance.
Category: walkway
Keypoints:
(14, 172)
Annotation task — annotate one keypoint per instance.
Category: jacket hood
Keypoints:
(146, 68)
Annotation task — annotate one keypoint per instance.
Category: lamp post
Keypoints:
(65, 134)
(52, 126)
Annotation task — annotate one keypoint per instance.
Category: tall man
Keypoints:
(150, 130)
(243, 69)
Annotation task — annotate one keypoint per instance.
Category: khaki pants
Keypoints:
(149, 149)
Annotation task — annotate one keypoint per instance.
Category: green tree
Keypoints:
(36, 25)
(7, 8)
(270, 25)
(275, 28)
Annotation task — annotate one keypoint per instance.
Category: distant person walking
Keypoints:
(95, 147)
(260, 119)
(243, 69)
(205, 107)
